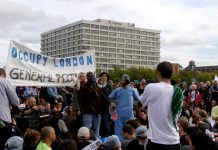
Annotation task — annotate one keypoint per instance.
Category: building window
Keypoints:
(95, 26)
(112, 50)
(112, 44)
(112, 28)
(85, 36)
(104, 27)
(136, 42)
(128, 62)
(136, 36)
(120, 40)
(112, 34)
(120, 45)
(119, 61)
(120, 56)
(94, 42)
(150, 34)
(104, 38)
(95, 31)
(128, 35)
(103, 32)
(143, 37)
(136, 31)
(94, 37)
(128, 30)
(85, 42)
(128, 46)
(121, 29)
(112, 60)
(112, 39)
(144, 32)
(85, 25)
(120, 50)
(128, 51)
(143, 42)
(128, 56)
(104, 43)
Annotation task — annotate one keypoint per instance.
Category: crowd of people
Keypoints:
(103, 115)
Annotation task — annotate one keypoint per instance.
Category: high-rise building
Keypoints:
(115, 43)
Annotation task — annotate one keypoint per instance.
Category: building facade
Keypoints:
(193, 67)
(115, 43)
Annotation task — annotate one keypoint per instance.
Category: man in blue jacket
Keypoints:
(124, 97)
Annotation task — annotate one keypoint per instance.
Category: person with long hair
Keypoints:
(31, 139)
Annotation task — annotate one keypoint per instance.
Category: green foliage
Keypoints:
(133, 72)
(147, 73)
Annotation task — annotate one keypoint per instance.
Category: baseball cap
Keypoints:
(83, 133)
(141, 131)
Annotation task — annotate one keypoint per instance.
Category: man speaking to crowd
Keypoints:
(161, 101)
(8, 97)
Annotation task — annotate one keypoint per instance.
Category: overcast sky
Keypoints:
(189, 28)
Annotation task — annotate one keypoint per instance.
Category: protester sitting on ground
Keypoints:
(204, 117)
(111, 143)
(141, 139)
(58, 105)
(14, 143)
(199, 140)
(135, 123)
(196, 120)
(84, 137)
(47, 106)
(143, 118)
(47, 138)
(30, 108)
(69, 117)
(57, 123)
(128, 134)
(31, 139)
(183, 125)
(67, 145)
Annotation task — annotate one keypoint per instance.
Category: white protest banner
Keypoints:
(93, 146)
(26, 67)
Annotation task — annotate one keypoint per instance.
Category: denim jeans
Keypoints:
(92, 121)
(119, 123)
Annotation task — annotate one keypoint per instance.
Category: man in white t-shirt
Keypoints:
(162, 133)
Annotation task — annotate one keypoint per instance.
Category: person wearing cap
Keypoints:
(83, 137)
(124, 97)
(111, 143)
(14, 143)
(164, 103)
(141, 139)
